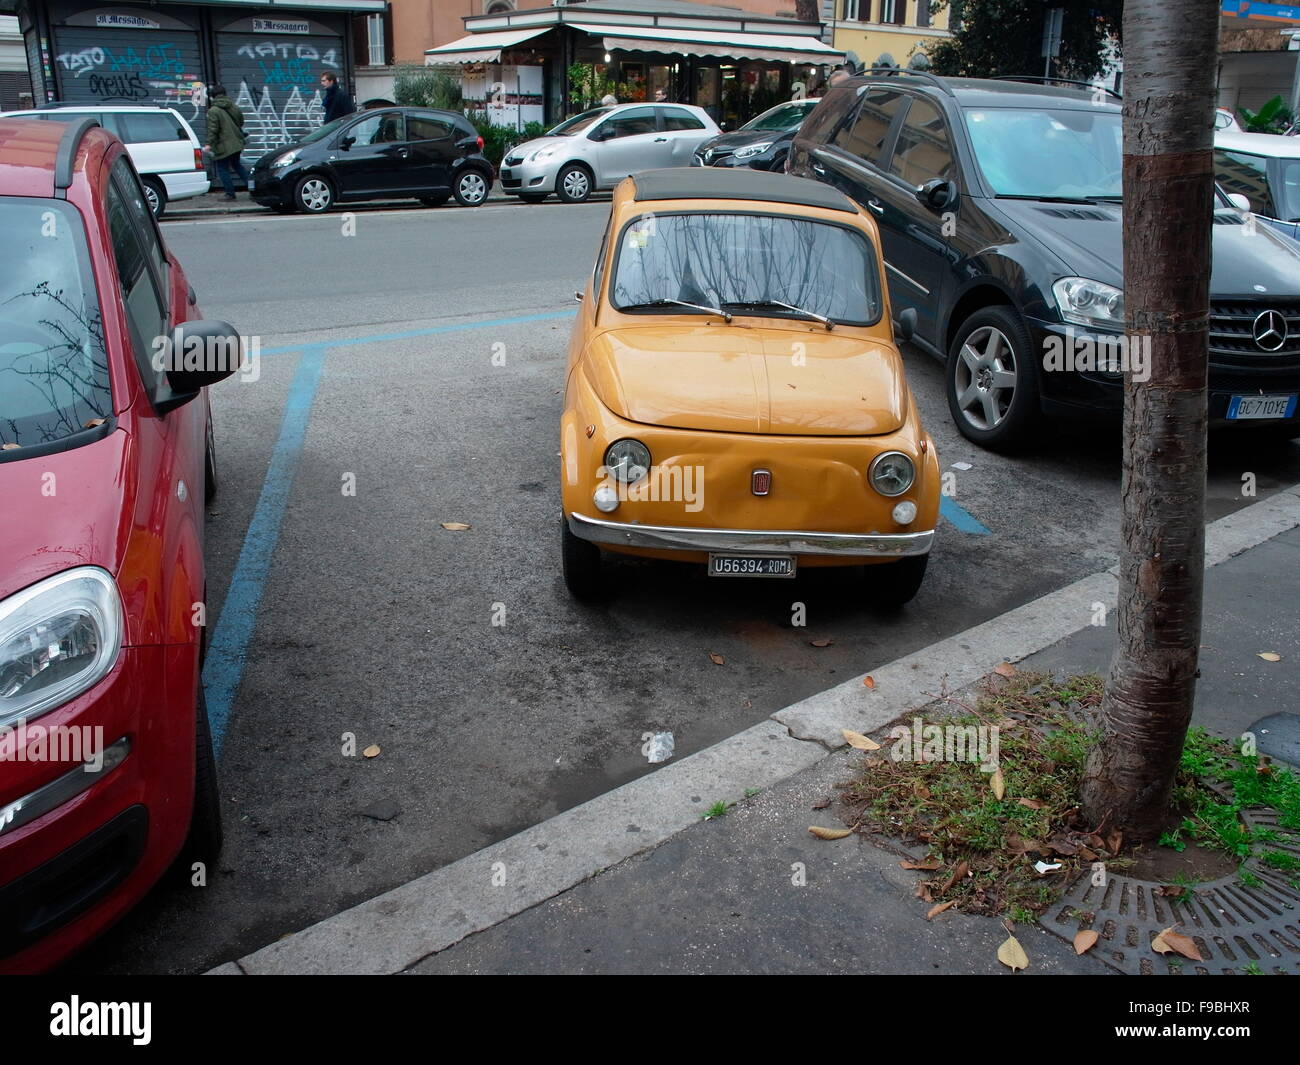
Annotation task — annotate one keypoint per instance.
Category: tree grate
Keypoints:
(1237, 927)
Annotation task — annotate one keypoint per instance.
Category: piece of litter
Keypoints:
(1042, 868)
(963, 466)
(659, 748)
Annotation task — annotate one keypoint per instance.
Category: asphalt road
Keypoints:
(354, 613)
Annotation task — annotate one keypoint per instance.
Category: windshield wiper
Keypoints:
(1049, 199)
(788, 306)
(724, 315)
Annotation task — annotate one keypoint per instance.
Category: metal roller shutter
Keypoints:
(101, 65)
(275, 82)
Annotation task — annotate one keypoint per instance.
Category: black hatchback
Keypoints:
(387, 154)
(999, 207)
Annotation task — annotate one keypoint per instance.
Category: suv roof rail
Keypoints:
(1058, 81)
(67, 153)
(925, 75)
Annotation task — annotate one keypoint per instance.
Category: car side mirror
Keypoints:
(1239, 201)
(347, 143)
(601, 133)
(197, 354)
(937, 194)
(906, 328)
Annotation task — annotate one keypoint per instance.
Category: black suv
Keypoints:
(387, 154)
(998, 203)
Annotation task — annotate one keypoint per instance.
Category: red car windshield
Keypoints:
(53, 366)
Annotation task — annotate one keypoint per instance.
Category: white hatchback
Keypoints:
(166, 153)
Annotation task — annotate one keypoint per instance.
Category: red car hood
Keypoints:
(63, 510)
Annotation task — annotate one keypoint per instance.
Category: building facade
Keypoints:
(886, 31)
(269, 56)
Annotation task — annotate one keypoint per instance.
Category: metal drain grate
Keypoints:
(1234, 925)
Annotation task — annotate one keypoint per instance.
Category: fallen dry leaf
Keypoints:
(1012, 954)
(922, 891)
(869, 681)
(821, 805)
(1172, 891)
(10, 447)
(937, 909)
(371, 752)
(1005, 670)
(716, 658)
(929, 865)
(454, 526)
(1032, 804)
(824, 641)
(921, 791)
(1170, 940)
(961, 869)
(829, 833)
(92, 423)
(1084, 940)
(858, 741)
(997, 784)
(1269, 656)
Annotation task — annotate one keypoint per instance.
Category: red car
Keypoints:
(106, 763)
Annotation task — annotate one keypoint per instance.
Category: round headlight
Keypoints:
(892, 473)
(627, 460)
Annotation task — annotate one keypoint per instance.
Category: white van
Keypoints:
(163, 147)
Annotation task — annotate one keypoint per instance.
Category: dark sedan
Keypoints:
(762, 143)
(387, 154)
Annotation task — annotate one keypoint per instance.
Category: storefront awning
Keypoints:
(788, 48)
(482, 47)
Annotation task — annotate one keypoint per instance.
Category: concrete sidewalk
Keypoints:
(635, 881)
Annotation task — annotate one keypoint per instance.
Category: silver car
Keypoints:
(599, 148)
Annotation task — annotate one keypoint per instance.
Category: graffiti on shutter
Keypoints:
(131, 66)
(275, 81)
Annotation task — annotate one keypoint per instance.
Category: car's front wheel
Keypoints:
(155, 195)
(582, 567)
(573, 183)
(209, 464)
(314, 194)
(471, 188)
(896, 583)
(205, 837)
(992, 380)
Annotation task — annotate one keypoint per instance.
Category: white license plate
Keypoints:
(250, 184)
(1240, 407)
(751, 565)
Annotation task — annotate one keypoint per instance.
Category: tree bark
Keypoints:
(1170, 49)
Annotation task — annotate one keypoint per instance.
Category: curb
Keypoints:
(189, 214)
(394, 931)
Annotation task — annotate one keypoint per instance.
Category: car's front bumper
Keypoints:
(750, 541)
(271, 189)
(772, 159)
(529, 177)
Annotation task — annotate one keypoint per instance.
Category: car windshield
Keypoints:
(753, 261)
(1048, 154)
(1271, 185)
(53, 367)
(786, 116)
(578, 123)
(327, 130)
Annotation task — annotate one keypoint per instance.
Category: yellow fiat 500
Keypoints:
(734, 395)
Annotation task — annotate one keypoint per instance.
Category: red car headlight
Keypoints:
(58, 638)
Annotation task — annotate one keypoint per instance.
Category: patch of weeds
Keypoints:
(1249, 879)
(987, 846)
(1252, 969)
(751, 792)
(1214, 820)
(716, 810)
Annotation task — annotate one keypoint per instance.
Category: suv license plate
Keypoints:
(751, 565)
(1261, 407)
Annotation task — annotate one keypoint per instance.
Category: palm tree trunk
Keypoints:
(1170, 50)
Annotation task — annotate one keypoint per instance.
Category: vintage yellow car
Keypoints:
(734, 395)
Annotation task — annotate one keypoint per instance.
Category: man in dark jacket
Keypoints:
(336, 101)
(226, 138)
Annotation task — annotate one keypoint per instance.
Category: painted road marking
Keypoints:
(960, 518)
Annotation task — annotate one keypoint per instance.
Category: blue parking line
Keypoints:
(414, 334)
(228, 647)
(961, 518)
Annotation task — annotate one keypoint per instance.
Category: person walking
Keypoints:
(336, 100)
(226, 138)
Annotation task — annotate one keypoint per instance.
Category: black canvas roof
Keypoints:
(724, 183)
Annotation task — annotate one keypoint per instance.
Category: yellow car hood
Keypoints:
(743, 379)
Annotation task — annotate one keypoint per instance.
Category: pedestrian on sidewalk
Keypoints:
(336, 100)
(226, 138)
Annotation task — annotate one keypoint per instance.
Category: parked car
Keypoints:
(735, 398)
(166, 153)
(762, 143)
(1264, 169)
(390, 153)
(1224, 119)
(599, 148)
(999, 207)
(106, 461)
